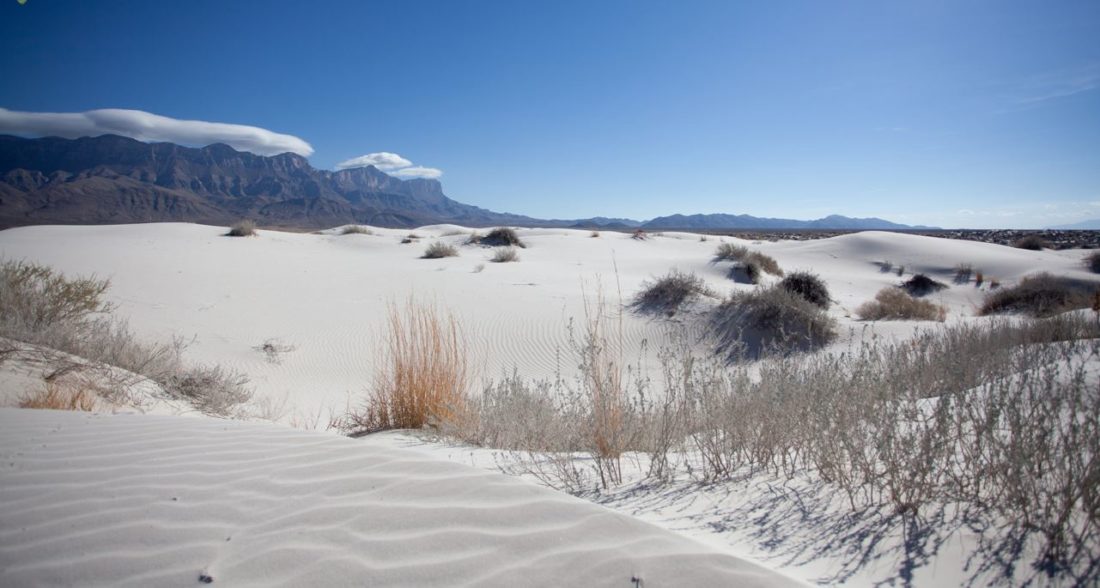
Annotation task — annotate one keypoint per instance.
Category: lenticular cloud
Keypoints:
(146, 126)
(391, 163)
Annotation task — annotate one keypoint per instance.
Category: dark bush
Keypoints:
(922, 285)
(438, 250)
(808, 286)
(501, 237)
(245, 228)
(1032, 243)
(770, 321)
(1092, 261)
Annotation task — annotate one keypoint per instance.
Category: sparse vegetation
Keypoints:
(438, 250)
(922, 285)
(894, 304)
(421, 376)
(61, 395)
(1041, 295)
(639, 235)
(979, 279)
(244, 228)
(273, 349)
(666, 294)
(42, 307)
(809, 286)
(886, 266)
(356, 230)
(505, 255)
(995, 420)
(1032, 243)
(501, 237)
(594, 234)
(770, 321)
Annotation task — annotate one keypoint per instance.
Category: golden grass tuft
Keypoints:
(892, 304)
(61, 395)
(422, 376)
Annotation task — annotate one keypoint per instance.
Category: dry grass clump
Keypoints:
(45, 308)
(422, 374)
(594, 234)
(963, 271)
(1032, 243)
(1092, 261)
(356, 230)
(666, 294)
(244, 228)
(894, 304)
(1041, 295)
(752, 263)
(505, 255)
(639, 235)
(500, 237)
(922, 285)
(439, 250)
(770, 321)
(809, 286)
(61, 395)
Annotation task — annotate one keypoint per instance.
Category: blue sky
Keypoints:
(960, 113)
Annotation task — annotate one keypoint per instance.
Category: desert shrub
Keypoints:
(666, 294)
(212, 390)
(244, 228)
(639, 235)
(421, 376)
(886, 266)
(594, 234)
(752, 263)
(439, 250)
(1032, 243)
(730, 252)
(963, 271)
(807, 285)
(1092, 261)
(770, 321)
(901, 270)
(1041, 295)
(979, 279)
(501, 237)
(922, 285)
(894, 304)
(356, 230)
(505, 255)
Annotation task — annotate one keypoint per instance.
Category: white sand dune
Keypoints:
(142, 500)
(325, 295)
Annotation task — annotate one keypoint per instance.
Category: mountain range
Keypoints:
(114, 180)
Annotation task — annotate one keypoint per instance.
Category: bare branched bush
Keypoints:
(273, 350)
(422, 374)
(894, 304)
(809, 286)
(213, 390)
(770, 321)
(639, 235)
(501, 237)
(356, 230)
(244, 228)
(505, 255)
(666, 294)
(1041, 295)
(439, 250)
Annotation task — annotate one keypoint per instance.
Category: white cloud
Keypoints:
(383, 160)
(145, 126)
(417, 171)
(391, 163)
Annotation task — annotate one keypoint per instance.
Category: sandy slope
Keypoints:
(142, 500)
(325, 295)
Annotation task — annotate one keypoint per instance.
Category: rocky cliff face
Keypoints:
(111, 179)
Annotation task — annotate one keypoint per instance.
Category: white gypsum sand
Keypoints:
(144, 500)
